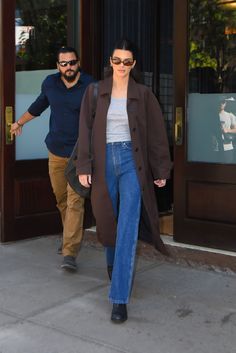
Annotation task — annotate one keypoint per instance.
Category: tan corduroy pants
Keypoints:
(70, 205)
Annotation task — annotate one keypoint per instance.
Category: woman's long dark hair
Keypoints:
(125, 44)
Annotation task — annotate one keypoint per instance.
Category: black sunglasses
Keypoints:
(126, 62)
(65, 63)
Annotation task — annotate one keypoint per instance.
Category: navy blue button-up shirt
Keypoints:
(65, 108)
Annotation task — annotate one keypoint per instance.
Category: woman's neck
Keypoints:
(120, 87)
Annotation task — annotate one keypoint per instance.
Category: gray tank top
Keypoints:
(117, 121)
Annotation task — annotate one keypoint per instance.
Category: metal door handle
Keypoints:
(8, 122)
(178, 125)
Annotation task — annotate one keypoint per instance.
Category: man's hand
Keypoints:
(16, 130)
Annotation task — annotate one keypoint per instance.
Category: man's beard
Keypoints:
(70, 78)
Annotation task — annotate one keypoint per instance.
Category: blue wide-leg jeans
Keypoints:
(124, 191)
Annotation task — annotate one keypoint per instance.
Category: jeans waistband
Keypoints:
(118, 143)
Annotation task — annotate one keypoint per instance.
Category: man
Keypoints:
(63, 92)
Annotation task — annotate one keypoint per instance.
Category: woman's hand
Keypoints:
(85, 180)
(160, 182)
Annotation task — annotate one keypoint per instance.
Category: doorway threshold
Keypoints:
(169, 241)
(180, 253)
(214, 259)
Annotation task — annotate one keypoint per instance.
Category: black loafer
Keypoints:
(109, 271)
(119, 313)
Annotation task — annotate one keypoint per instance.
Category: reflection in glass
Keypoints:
(212, 81)
(41, 28)
(212, 50)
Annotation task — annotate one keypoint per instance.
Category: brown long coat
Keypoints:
(150, 151)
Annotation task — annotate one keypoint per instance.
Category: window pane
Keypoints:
(212, 81)
(41, 28)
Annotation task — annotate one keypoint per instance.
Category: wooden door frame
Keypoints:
(180, 83)
(7, 98)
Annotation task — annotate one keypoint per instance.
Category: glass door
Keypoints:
(205, 126)
(32, 32)
(212, 82)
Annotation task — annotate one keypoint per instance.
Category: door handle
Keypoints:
(178, 125)
(8, 123)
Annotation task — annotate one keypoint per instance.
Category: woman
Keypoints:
(129, 154)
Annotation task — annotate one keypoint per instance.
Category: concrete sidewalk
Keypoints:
(174, 308)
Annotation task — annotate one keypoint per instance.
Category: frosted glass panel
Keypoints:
(30, 145)
(209, 115)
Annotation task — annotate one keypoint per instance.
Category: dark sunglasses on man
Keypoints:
(65, 63)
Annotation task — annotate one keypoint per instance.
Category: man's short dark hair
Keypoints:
(64, 50)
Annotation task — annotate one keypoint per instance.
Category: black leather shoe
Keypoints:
(109, 271)
(119, 313)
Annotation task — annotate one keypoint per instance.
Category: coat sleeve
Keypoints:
(84, 159)
(158, 147)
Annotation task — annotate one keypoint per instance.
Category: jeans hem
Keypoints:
(117, 301)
